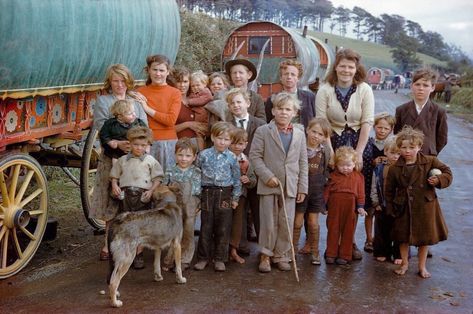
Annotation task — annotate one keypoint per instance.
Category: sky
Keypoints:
(453, 19)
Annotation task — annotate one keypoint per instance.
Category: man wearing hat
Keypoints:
(241, 72)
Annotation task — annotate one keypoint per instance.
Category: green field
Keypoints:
(373, 55)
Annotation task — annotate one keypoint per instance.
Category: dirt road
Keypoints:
(65, 275)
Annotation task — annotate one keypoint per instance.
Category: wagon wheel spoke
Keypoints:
(29, 234)
(4, 190)
(30, 198)
(5, 248)
(2, 232)
(24, 186)
(17, 244)
(14, 181)
(36, 212)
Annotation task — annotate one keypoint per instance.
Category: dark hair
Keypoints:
(140, 133)
(351, 55)
(238, 135)
(159, 59)
(185, 143)
(427, 74)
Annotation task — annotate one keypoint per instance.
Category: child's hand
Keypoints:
(116, 190)
(300, 197)
(146, 196)
(234, 204)
(113, 144)
(378, 208)
(361, 211)
(124, 146)
(433, 180)
(379, 160)
(244, 179)
(273, 182)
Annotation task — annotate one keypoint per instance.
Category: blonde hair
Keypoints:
(390, 145)
(237, 91)
(407, 133)
(323, 123)
(185, 143)
(283, 98)
(344, 153)
(391, 120)
(238, 135)
(140, 133)
(200, 76)
(121, 106)
(291, 62)
(121, 70)
(220, 128)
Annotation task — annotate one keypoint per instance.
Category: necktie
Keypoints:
(242, 123)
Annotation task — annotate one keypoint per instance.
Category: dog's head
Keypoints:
(166, 194)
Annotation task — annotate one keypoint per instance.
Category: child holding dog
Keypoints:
(221, 189)
(135, 176)
(188, 176)
(279, 156)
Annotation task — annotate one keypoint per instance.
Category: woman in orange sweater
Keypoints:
(162, 105)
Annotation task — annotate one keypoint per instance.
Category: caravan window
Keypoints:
(256, 44)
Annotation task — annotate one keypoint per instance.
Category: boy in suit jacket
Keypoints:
(422, 114)
(279, 156)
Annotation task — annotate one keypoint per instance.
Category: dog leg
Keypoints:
(177, 260)
(157, 265)
(121, 268)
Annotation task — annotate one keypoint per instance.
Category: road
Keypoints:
(73, 284)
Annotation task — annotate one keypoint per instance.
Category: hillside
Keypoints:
(373, 55)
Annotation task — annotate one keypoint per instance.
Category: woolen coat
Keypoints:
(269, 159)
(414, 203)
(432, 121)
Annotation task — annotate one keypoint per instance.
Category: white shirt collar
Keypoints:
(420, 107)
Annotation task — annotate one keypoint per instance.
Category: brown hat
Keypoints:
(244, 62)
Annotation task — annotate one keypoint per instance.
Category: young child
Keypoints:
(318, 154)
(422, 114)
(411, 199)
(218, 83)
(373, 156)
(221, 189)
(384, 247)
(345, 198)
(188, 176)
(115, 129)
(248, 180)
(241, 72)
(135, 176)
(279, 156)
(200, 95)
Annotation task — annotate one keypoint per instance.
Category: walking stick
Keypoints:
(289, 231)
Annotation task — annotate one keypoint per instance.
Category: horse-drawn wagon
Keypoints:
(53, 57)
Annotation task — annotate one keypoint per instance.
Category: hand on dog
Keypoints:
(146, 196)
(115, 189)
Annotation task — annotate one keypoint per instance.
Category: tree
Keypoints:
(359, 19)
(414, 29)
(433, 45)
(373, 28)
(405, 53)
(342, 18)
(393, 28)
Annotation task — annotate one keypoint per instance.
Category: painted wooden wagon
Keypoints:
(267, 43)
(53, 56)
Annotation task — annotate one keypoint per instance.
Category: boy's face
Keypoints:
(238, 147)
(345, 166)
(382, 129)
(238, 106)
(289, 77)
(221, 141)
(185, 158)
(284, 114)
(392, 155)
(409, 151)
(138, 147)
(197, 86)
(421, 89)
(315, 135)
(129, 116)
(217, 85)
(240, 75)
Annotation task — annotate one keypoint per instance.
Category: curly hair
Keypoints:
(351, 55)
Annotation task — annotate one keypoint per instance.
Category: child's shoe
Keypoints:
(138, 262)
(284, 266)
(200, 265)
(264, 264)
(330, 260)
(341, 261)
(219, 266)
(368, 247)
(356, 253)
(315, 260)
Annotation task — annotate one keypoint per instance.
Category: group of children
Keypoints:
(289, 168)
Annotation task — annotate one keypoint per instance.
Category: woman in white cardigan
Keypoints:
(347, 102)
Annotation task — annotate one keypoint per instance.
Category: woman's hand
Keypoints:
(361, 211)
(359, 161)
(199, 127)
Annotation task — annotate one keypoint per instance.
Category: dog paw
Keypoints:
(181, 280)
(117, 303)
(158, 277)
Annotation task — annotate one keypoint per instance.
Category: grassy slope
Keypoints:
(374, 55)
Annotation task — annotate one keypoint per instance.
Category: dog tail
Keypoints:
(111, 262)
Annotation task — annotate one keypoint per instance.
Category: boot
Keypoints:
(314, 236)
(264, 264)
(295, 238)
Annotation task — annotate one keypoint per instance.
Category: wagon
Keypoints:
(54, 55)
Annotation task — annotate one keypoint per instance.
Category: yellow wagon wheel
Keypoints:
(90, 157)
(23, 211)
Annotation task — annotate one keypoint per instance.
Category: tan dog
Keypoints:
(155, 229)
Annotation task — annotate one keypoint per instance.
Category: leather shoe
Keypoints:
(219, 266)
(329, 260)
(341, 261)
(264, 264)
(284, 266)
(200, 265)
